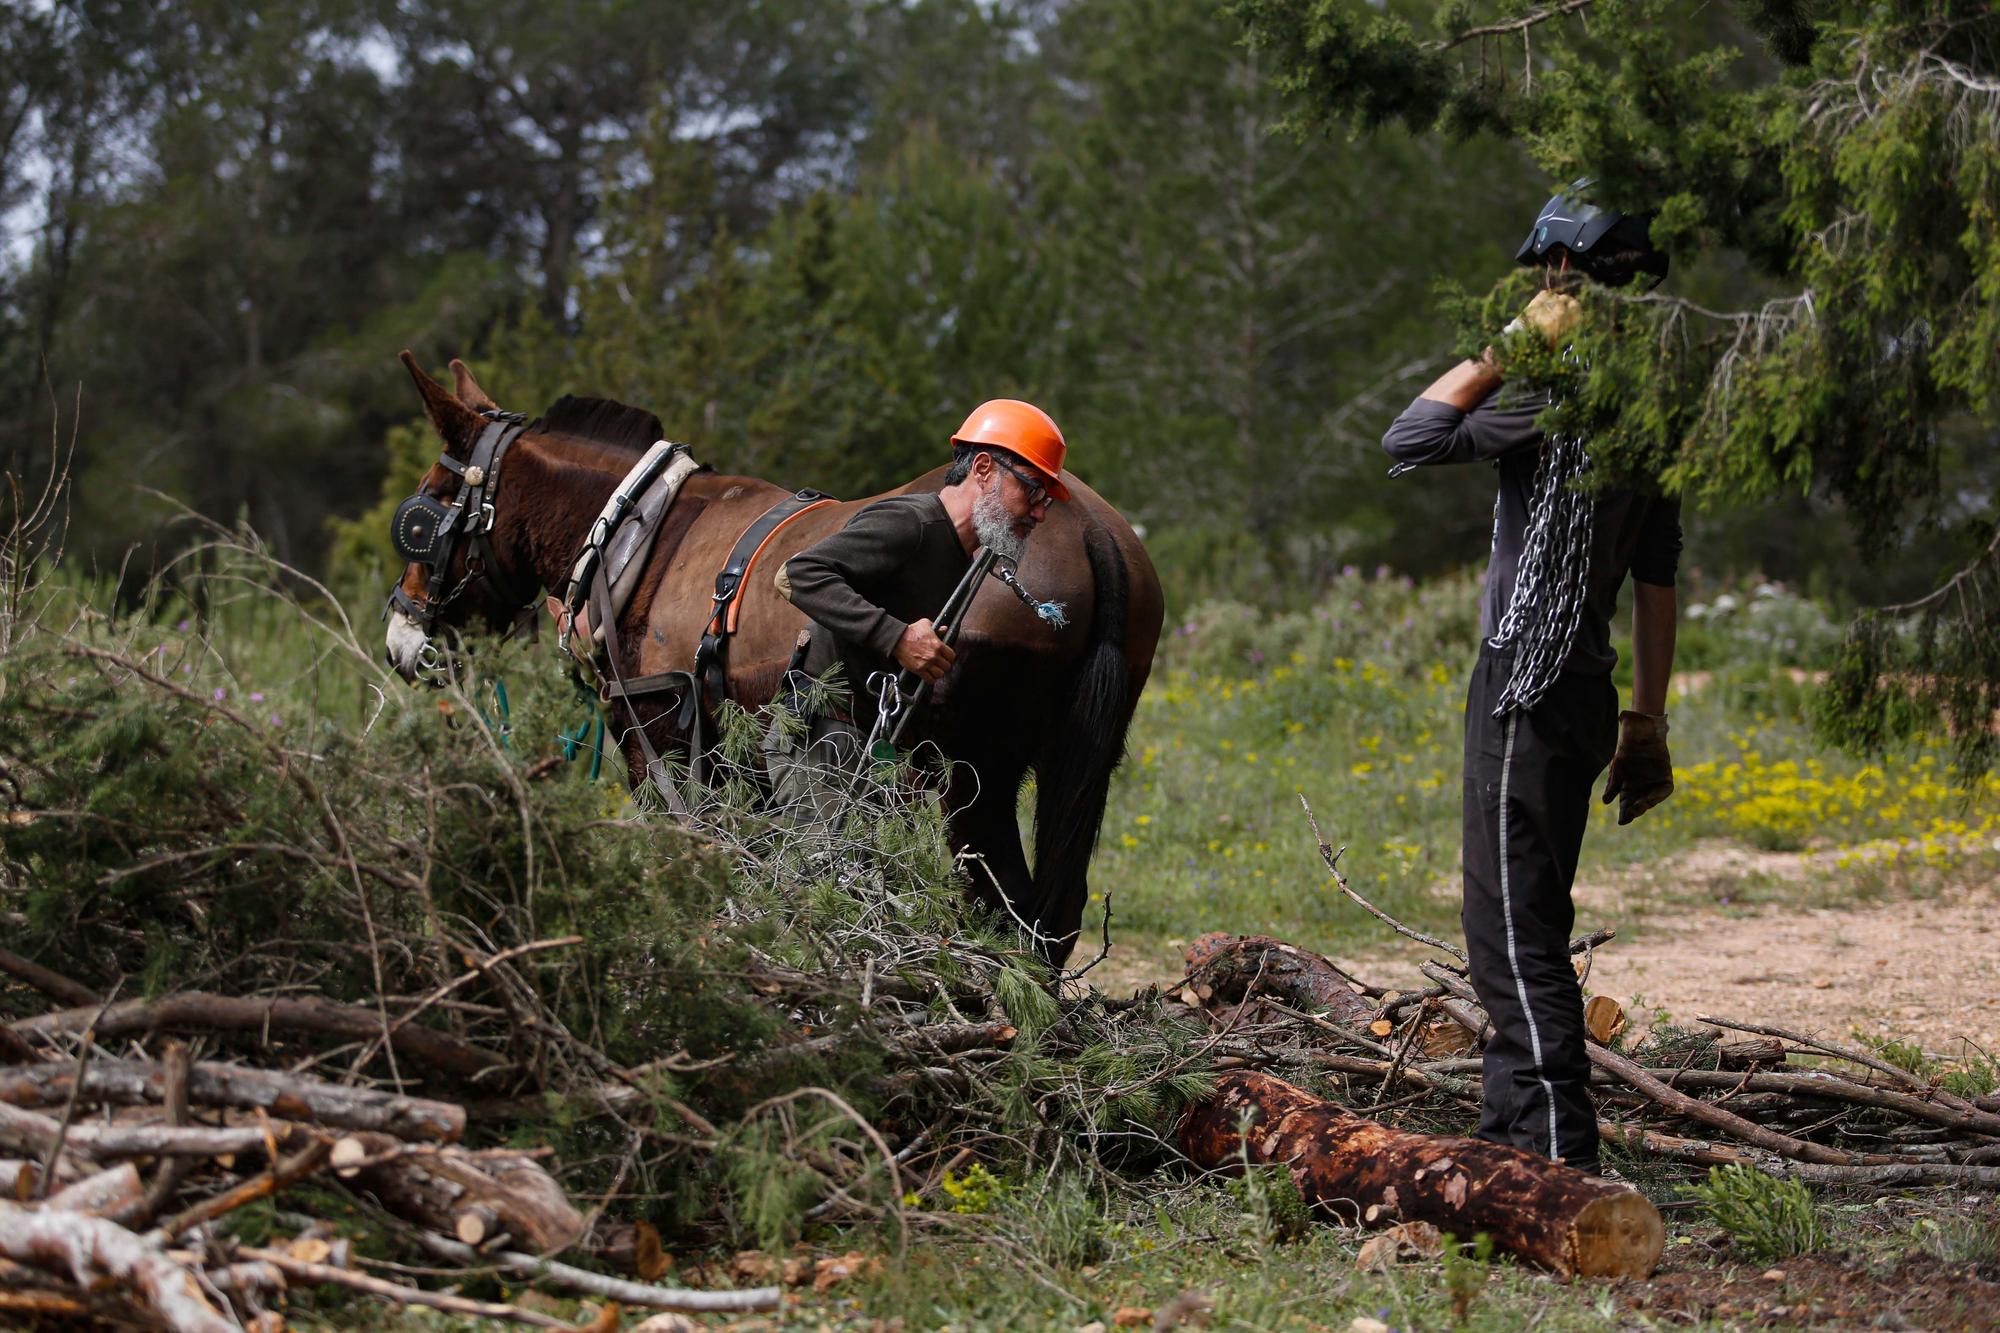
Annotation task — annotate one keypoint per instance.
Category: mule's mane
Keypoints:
(602, 422)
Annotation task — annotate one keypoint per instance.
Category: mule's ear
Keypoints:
(468, 389)
(457, 424)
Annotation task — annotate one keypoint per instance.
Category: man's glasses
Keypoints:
(1038, 490)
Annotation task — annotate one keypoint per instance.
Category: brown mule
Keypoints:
(1022, 696)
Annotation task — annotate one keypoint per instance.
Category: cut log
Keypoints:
(284, 1096)
(1754, 1051)
(101, 1194)
(90, 1249)
(26, 1131)
(442, 1189)
(1356, 1170)
(1228, 966)
(476, 1225)
(1604, 1017)
(197, 1011)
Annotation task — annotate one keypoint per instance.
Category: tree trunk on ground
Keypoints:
(284, 1096)
(1361, 1171)
(1223, 968)
(457, 1194)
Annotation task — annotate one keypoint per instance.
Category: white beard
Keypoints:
(994, 527)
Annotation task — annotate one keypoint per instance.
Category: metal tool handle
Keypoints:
(915, 690)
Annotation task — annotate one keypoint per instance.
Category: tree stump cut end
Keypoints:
(1618, 1235)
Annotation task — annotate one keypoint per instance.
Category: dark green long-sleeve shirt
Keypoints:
(893, 564)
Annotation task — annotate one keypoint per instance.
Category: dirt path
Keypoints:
(1924, 970)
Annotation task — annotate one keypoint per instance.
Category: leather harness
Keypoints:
(427, 531)
(701, 689)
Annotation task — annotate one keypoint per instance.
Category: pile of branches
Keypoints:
(214, 1137)
(288, 938)
(1724, 1093)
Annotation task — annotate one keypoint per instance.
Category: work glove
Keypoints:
(1642, 772)
(1552, 314)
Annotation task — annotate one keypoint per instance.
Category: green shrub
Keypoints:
(1768, 1217)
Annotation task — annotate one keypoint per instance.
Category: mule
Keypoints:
(1022, 696)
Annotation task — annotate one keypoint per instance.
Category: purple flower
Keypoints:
(182, 626)
(220, 694)
(275, 719)
(1256, 657)
(257, 696)
(1349, 571)
(1381, 571)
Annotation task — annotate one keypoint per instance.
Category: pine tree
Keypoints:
(1842, 162)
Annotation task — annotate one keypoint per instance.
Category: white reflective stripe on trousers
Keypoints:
(1507, 912)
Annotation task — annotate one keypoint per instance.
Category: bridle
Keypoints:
(428, 531)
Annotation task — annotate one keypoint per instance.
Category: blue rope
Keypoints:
(1052, 613)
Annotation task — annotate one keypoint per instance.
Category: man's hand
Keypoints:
(1642, 772)
(922, 651)
(1552, 314)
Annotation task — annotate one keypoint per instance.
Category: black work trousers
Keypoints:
(1528, 787)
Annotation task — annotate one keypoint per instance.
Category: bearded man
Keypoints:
(872, 588)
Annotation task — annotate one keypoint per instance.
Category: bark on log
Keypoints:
(284, 1096)
(15, 1051)
(52, 984)
(25, 1131)
(106, 1192)
(197, 1011)
(90, 1249)
(1755, 1051)
(439, 1188)
(1223, 967)
(1549, 1214)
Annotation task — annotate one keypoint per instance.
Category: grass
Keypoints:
(1358, 703)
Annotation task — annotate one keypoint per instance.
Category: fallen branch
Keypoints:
(26, 1131)
(90, 1249)
(198, 1011)
(327, 1275)
(1233, 968)
(611, 1288)
(286, 1096)
(52, 984)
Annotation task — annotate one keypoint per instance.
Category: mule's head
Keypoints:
(444, 530)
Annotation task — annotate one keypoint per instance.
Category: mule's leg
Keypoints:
(980, 802)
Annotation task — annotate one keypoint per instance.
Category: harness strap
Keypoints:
(709, 667)
(660, 682)
(590, 560)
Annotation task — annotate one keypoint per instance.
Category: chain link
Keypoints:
(1553, 575)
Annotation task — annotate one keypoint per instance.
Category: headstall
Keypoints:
(428, 531)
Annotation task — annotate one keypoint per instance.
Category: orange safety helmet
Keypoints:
(1025, 431)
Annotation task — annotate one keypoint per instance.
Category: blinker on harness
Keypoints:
(427, 531)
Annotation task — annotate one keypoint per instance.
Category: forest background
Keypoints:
(809, 235)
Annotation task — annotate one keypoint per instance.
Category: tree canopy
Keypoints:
(811, 236)
(1830, 173)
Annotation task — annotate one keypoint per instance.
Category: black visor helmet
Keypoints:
(1608, 247)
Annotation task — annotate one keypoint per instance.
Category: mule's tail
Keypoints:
(1073, 771)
